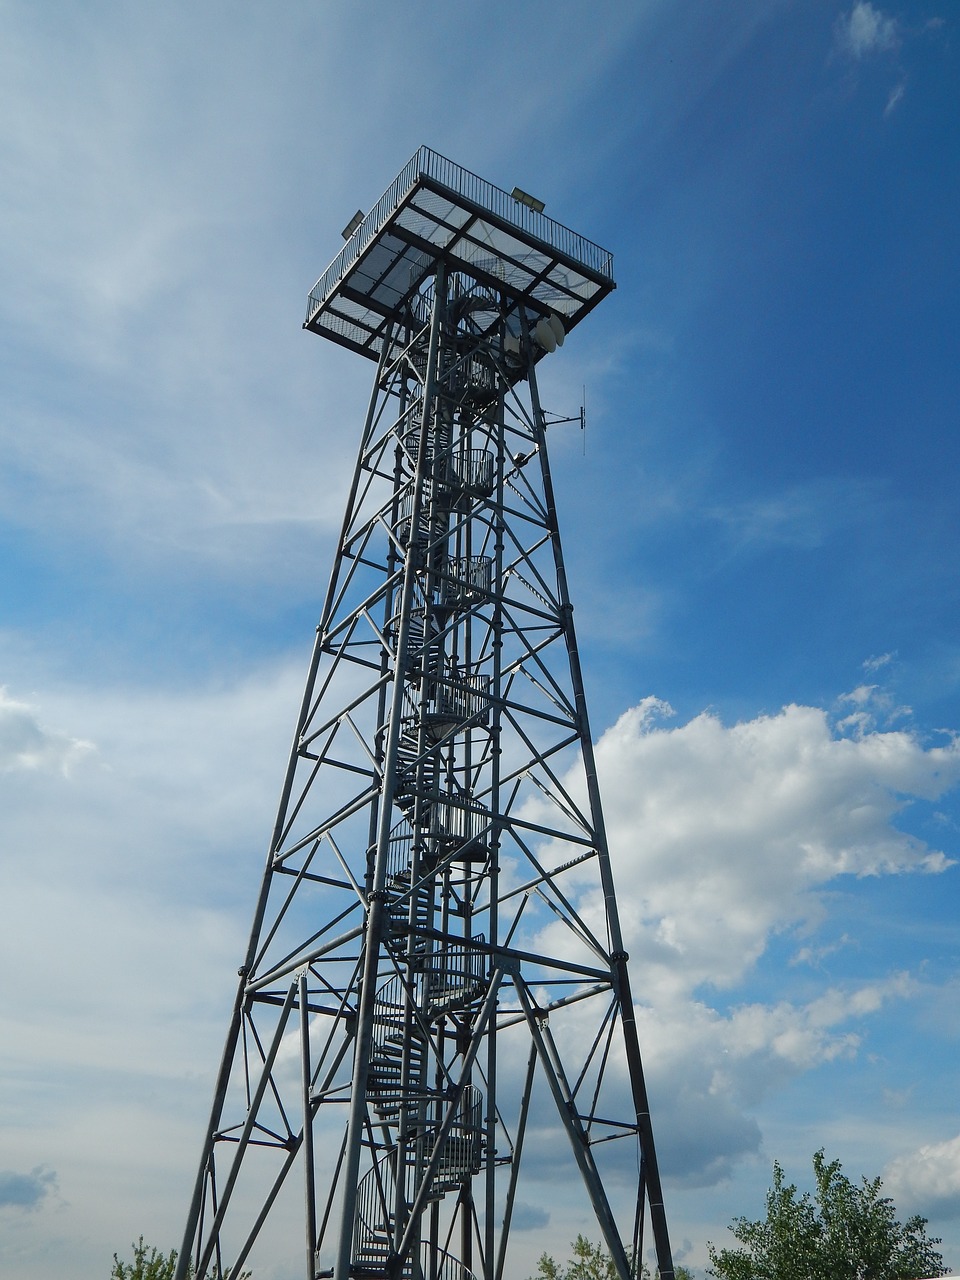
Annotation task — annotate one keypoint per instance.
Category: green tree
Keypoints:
(589, 1262)
(844, 1231)
(150, 1264)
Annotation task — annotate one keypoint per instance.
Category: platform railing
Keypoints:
(430, 164)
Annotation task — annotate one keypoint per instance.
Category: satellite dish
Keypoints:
(556, 324)
(545, 336)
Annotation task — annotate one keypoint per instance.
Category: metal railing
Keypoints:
(462, 182)
(462, 696)
(473, 469)
(400, 856)
(450, 821)
(469, 578)
(455, 975)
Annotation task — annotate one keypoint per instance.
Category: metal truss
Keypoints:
(435, 969)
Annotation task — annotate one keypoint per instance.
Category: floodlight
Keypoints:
(352, 225)
(530, 201)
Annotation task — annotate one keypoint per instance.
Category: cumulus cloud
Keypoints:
(707, 1069)
(26, 744)
(26, 1190)
(927, 1181)
(722, 838)
(865, 30)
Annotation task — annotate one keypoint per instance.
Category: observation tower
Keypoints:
(433, 1029)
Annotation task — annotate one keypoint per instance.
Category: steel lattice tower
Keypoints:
(435, 987)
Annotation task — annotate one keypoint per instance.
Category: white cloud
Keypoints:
(877, 662)
(26, 744)
(117, 882)
(865, 30)
(874, 707)
(814, 956)
(721, 836)
(141, 206)
(927, 1181)
(859, 696)
(708, 1070)
(125, 893)
(896, 94)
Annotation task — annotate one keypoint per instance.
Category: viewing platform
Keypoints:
(435, 211)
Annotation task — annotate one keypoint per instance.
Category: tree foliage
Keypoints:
(589, 1262)
(150, 1264)
(843, 1232)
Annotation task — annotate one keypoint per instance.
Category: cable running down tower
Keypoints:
(434, 1018)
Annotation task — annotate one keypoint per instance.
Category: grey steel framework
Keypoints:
(434, 1011)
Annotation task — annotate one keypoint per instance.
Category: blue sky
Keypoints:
(760, 523)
